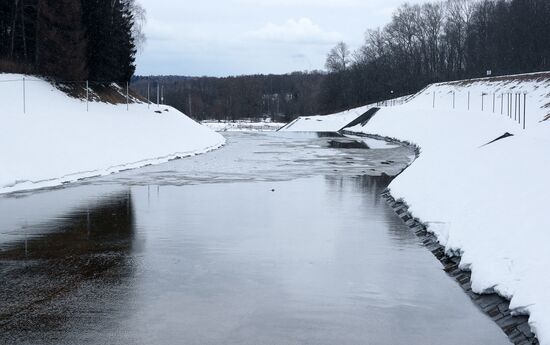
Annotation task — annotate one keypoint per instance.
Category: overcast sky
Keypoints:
(233, 37)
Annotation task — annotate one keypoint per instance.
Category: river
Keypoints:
(274, 239)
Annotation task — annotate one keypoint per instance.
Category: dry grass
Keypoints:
(108, 93)
(7, 66)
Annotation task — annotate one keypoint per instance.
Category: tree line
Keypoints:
(436, 42)
(280, 97)
(423, 43)
(71, 39)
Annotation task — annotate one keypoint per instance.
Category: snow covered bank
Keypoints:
(242, 126)
(326, 123)
(57, 141)
(487, 202)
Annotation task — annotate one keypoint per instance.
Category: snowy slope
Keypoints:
(58, 141)
(487, 202)
(327, 123)
(489, 96)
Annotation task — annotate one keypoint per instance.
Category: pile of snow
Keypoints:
(242, 126)
(487, 202)
(57, 141)
(325, 123)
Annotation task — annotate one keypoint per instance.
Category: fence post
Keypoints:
(24, 98)
(501, 104)
(519, 104)
(509, 104)
(524, 107)
(516, 106)
(87, 96)
(454, 99)
(482, 101)
(494, 99)
(512, 105)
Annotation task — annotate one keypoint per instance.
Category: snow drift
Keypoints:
(57, 141)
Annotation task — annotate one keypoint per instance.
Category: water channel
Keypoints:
(274, 239)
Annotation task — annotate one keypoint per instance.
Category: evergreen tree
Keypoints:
(61, 48)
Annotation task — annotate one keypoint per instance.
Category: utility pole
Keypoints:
(148, 95)
(190, 106)
(158, 95)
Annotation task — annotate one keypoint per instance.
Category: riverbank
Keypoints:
(483, 200)
(61, 139)
(242, 126)
(514, 325)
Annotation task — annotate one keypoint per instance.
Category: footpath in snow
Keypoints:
(487, 202)
(57, 141)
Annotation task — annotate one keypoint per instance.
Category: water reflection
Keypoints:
(370, 188)
(72, 254)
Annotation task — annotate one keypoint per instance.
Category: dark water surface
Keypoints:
(273, 239)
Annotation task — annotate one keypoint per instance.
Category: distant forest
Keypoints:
(71, 40)
(432, 42)
(280, 97)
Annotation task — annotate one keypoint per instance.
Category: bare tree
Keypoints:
(139, 19)
(458, 14)
(339, 58)
(431, 37)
